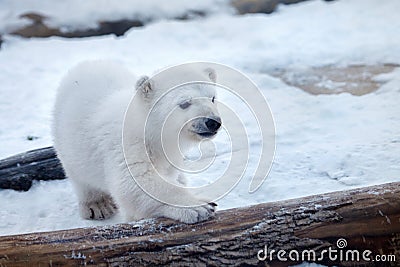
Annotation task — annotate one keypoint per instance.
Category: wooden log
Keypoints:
(367, 219)
(18, 172)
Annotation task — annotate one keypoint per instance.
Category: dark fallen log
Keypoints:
(18, 172)
(366, 219)
(38, 26)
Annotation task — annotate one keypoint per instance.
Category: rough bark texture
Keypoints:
(18, 172)
(368, 218)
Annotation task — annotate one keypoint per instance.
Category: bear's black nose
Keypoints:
(213, 124)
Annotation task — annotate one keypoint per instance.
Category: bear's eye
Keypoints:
(185, 104)
(212, 100)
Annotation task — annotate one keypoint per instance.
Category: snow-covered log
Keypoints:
(366, 219)
(18, 172)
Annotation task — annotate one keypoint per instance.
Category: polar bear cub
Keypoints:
(87, 129)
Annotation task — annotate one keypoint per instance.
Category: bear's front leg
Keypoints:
(94, 204)
(198, 210)
(136, 204)
(187, 214)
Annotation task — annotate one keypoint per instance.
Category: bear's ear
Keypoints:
(211, 74)
(144, 85)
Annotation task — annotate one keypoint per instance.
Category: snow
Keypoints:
(323, 142)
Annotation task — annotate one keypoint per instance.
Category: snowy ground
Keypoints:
(324, 142)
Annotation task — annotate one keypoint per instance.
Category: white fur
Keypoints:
(87, 129)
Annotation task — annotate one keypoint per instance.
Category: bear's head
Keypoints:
(182, 115)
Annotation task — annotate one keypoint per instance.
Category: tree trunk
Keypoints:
(18, 172)
(366, 218)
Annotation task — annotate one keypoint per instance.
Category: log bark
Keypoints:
(367, 218)
(18, 172)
